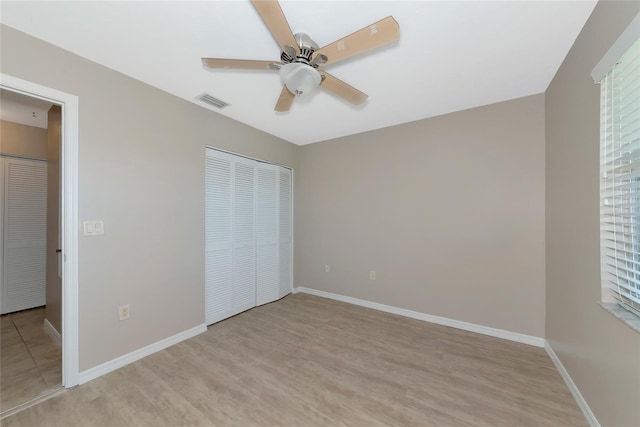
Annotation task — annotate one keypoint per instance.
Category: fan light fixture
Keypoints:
(300, 78)
(300, 56)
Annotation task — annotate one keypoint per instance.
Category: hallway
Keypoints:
(31, 362)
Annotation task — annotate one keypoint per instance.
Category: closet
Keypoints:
(248, 244)
(23, 233)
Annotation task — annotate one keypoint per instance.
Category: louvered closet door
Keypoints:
(267, 286)
(218, 237)
(244, 239)
(284, 232)
(25, 234)
(248, 234)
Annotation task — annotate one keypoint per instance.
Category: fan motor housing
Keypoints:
(306, 47)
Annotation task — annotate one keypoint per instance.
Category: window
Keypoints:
(620, 179)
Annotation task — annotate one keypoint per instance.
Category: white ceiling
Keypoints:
(23, 109)
(451, 55)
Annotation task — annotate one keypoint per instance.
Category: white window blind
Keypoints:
(620, 183)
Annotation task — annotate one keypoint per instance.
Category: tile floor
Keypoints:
(31, 363)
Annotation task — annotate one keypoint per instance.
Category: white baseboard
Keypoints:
(472, 327)
(128, 358)
(52, 332)
(584, 406)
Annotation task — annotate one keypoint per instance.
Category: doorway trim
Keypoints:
(69, 215)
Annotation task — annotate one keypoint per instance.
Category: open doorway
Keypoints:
(30, 265)
(59, 317)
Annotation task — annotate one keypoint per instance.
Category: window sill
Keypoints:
(626, 317)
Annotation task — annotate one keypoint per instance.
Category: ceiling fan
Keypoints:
(301, 57)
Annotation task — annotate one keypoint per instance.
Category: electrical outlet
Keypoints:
(327, 268)
(372, 275)
(123, 312)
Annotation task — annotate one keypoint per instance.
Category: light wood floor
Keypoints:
(31, 363)
(309, 361)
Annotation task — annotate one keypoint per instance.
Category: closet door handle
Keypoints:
(58, 250)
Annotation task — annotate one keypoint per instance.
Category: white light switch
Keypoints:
(93, 228)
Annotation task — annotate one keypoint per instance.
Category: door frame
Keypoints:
(68, 214)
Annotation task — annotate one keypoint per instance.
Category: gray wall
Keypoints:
(141, 170)
(601, 354)
(448, 211)
(21, 140)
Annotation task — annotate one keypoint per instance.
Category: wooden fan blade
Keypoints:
(240, 64)
(341, 89)
(285, 100)
(273, 17)
(375, 35)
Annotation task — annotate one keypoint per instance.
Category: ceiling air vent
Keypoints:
(212, 100)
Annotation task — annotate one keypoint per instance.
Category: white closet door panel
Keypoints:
(26, 287)
(25, 234)
(267, 209)
(244, 204)
(267, 287)
(244, 279)
(284, 195)
(244, 245)
(26, 199)
(248, 234)
(218, 204)
(218, 238)
(218, 289)
(285, 224)
(285, 276)
(267, 282)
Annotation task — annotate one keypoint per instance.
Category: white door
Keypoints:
(285, 224)
(267, 274)
(247, 234)
(244, 235)
(24, 219)
(218, 239)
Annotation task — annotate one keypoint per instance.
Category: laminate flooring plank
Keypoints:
(309, 361)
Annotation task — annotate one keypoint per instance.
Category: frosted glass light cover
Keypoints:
(300, 78)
